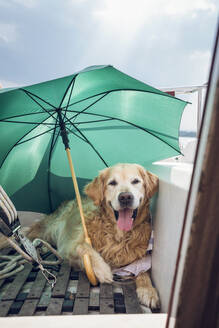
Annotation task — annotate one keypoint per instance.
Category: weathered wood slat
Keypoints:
(81, 306)
(106, 291)
(82, 297)
(28, 308)
(106, 299)
(94, 300)
(15, 307)
(40, 313)
(55, 306)
(67, 305)
(39, 283)
(131, 300)
(72, 287)
(32, 276)
(83, 286)
(119, 304)
(21, 297)
(5, 307)
(68, 296)
(44, 299)
(106, 306)
(2, 282)
(17, 284)
(62, 281)
(38, 286)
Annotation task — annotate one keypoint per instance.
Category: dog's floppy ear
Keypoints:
(151, 182)
(95, 189)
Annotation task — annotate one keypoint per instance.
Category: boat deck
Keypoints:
(28, 294)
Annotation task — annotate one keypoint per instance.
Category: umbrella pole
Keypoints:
(86, 258)
(87, 261)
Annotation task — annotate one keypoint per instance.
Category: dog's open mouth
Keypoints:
(125, 218)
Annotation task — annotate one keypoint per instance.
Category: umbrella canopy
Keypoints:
(109, 116)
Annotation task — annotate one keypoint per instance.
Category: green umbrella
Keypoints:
(109, 117)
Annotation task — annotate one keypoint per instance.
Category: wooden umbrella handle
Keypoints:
(89, 270)
(86, 258)
(88, 265)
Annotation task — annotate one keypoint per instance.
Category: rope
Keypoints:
(39, 243)
(11, 265)
(19, 250)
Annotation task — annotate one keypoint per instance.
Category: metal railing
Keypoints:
(191, 90)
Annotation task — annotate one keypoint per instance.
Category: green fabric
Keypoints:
(110, 117)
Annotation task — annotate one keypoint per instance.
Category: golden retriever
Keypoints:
(116, 213)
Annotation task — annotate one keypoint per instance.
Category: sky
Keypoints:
(164, 43)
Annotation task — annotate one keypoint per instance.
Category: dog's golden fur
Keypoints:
(112, 247)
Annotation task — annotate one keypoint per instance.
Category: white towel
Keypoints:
(141, 265)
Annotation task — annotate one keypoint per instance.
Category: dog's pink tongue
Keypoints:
(125, 220)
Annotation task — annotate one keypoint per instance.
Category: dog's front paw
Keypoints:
(101, 268)
(102, 271)
(149, 297)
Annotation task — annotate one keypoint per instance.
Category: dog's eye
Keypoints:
(135, 181)
(112, 183)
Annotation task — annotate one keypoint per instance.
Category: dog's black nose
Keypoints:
(125, 199)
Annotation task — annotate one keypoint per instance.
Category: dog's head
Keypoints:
(123, 189)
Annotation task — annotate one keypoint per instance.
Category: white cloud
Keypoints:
(200, 63)
(126, 17)
(25, 3)
(8, 33)
(120, 23)
(121, 18)
(8, 84)
(188, 7)
(145, 38)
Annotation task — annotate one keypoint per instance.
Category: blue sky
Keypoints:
(164, 43)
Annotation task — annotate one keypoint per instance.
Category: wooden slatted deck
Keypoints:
(28, 294)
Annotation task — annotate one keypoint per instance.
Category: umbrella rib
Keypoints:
(22, 115)
(96, 121)
(53, 142)
(70, 104)
(38, 135)
(136, 126)
(19, 141)
(76, 134)
(71, 84)
(81, 112)
(116, 90)
(148, 131)
(24, 122)
(51, 115)
(94, 114)
(109, 118)
(31, 95)
(92, 146)
(79, 101)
